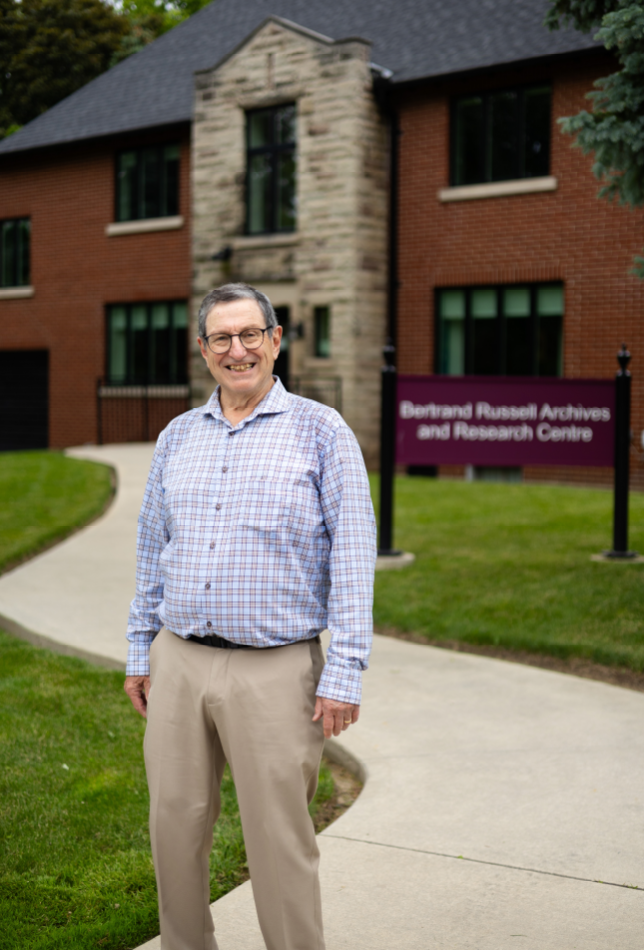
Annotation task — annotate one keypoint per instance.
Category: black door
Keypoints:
(281, 368)
(24, 399)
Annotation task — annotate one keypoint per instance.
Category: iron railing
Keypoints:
(324, 389)
(137, 413)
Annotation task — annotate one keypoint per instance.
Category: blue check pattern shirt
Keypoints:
(262, 533)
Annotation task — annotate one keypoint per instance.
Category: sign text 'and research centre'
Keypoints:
(443, 420)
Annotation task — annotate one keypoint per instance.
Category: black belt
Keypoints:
(212, 640)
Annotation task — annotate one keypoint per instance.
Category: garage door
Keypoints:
(24, 399)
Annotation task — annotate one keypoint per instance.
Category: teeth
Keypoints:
(241, 368)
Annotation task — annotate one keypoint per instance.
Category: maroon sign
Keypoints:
(483, 420)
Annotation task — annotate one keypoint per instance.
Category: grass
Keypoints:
(509, 566)
(76, 870)
(45, 496)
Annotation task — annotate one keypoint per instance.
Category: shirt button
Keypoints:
(218, 507)
(212, 545)
(208, 586)
(225, 468)
(209, 624)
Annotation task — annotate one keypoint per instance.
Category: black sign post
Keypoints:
(387, 453)
(622, 457)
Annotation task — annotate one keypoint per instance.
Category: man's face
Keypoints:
(241, 373)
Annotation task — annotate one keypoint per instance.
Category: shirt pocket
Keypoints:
(280, 507)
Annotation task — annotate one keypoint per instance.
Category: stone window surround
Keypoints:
(144, 225)
(498, 189)
(16, 293)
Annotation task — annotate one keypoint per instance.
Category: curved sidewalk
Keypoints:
(504, 804)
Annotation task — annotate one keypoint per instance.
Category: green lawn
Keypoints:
(44, 497)
(76, 870)
(509, 565)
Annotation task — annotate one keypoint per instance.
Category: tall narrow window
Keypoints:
(499, 136)
(271, 170)
(500, 331)
(15, 237)
(322, 331)
(147, 183)
(147, 343)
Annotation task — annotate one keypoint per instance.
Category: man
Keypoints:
(255, 534)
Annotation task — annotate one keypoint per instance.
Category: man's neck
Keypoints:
(237, 407)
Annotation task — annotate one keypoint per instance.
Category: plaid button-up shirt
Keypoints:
(262, 533)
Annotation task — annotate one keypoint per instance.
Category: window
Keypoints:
(270, 170)
(322, 328)
(147, 183)
(147, 343)
(14, 252)
(498, 136)
(500, 331)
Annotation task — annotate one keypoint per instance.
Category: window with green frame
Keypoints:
(147, 182)
(322, 331)
(500, 331)
(271, 166)
(15, 237)
(147, 343)
(501, 135)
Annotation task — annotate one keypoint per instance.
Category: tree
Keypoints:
(614, 129)
(50, 48)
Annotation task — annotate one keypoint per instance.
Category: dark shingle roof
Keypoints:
(415, 39)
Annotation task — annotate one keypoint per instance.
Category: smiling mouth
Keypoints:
(240, 367)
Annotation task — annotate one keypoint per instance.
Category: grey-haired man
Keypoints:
(255, 534)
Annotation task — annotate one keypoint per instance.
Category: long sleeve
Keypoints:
(350, 522)
(152, 537)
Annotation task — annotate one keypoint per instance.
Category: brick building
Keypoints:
(254, 142)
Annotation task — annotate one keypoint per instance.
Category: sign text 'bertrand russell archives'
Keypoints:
(451, 420)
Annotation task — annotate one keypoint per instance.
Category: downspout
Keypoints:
(383, 93)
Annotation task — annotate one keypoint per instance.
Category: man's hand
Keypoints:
(335, 716)
(138, 688)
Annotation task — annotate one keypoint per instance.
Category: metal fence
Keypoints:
(324, 389)
(137, 413)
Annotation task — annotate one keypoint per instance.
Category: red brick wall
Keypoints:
(566, 235)
(76, 269)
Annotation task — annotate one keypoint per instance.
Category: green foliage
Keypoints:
(509, 565)
(614, 129)
(45, 495)
(584, 15)
(49, 49)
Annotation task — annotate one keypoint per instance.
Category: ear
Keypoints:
(276, 339)
(204, 351)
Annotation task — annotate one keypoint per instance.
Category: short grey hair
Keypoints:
(228, 293)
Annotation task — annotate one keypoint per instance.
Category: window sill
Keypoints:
(118, 228)
(498, 189)
(16, 293)
(252, 241)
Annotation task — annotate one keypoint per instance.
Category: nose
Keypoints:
(237, 349)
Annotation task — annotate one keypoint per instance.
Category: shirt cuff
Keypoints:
(138, 654)
(340, 683)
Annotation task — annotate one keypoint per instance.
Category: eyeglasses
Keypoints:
(250, 339)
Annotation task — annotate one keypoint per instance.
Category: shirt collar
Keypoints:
(275, 401)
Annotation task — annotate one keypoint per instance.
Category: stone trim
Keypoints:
(498, 189)
(16, 293)
(144, 226)
(256, 241)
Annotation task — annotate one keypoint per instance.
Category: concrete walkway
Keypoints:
(504, 805)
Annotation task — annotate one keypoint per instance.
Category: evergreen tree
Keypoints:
(614, 129)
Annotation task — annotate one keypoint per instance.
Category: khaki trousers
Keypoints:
(252, 709)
